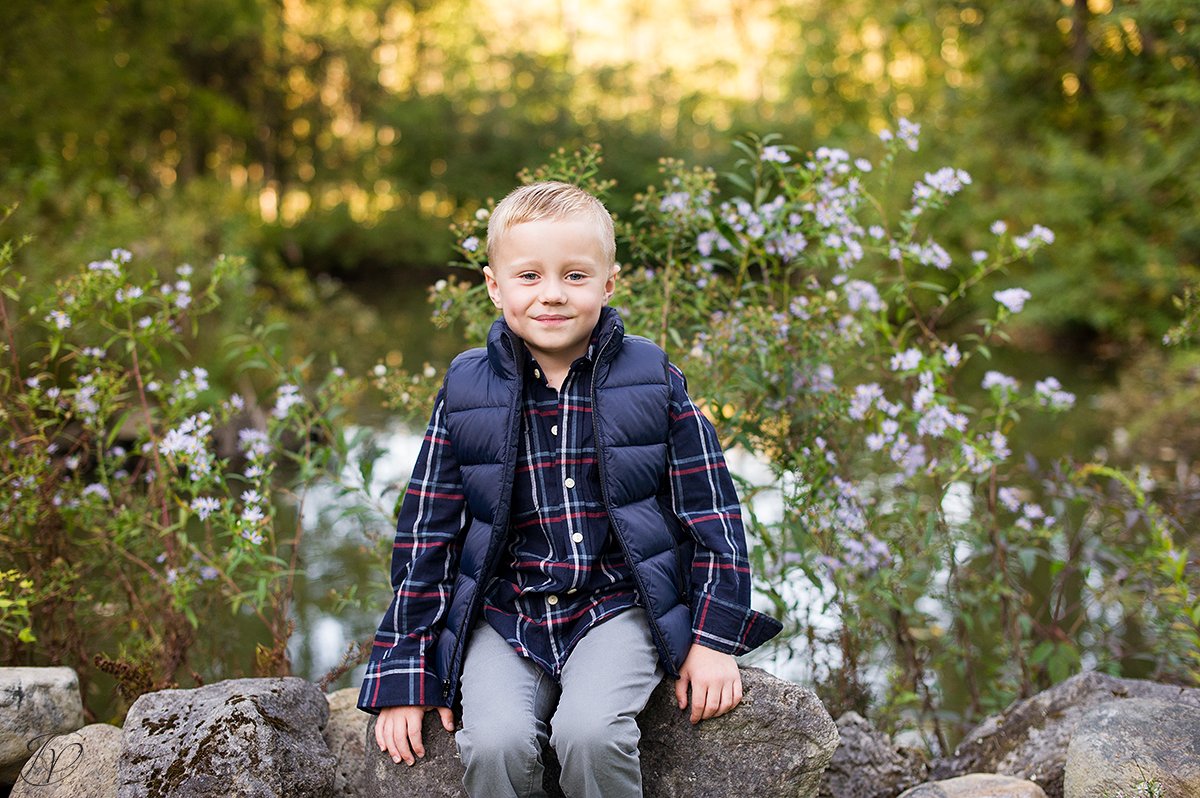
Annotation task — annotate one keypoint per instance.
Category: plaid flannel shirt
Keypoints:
(563, 570)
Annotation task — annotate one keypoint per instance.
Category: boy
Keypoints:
(570, 532)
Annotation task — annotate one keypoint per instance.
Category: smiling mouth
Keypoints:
(551, 318)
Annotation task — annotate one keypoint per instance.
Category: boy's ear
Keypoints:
(493, 288)
(610, 284)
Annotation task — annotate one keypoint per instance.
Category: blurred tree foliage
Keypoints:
(344, 135)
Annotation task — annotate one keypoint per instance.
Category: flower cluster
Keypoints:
(187, 445)
(287, 398)
(1013, 299)
(1050, 394)
(936, 187)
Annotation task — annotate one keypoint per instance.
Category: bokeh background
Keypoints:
(333, 143)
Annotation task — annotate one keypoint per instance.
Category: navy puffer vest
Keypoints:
(630, 410)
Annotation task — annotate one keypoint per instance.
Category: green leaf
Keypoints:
(1041, 652)
(935, 287)
(739, 181)
(1028, 558)
(116, 428)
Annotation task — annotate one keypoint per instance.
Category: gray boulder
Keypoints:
(345, 734)
(777, 742)
(977, 785)
(1029, 739)
(437, 775)
(35, 704)
(79, 764)
(867, 765)
(242, 737)
(1122, 743)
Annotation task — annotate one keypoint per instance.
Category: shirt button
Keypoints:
(554, 430)
(577, 537)
(537, 373)
(570, 483)
(552, 600)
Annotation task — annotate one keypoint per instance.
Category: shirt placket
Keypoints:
(570, 452)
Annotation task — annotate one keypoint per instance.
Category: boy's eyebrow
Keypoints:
(570, 262)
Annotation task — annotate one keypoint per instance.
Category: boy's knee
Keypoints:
(594, 733)
(498, 742)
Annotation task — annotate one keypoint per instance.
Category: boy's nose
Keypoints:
(552, 292)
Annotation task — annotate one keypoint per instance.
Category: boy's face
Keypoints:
(551, 280)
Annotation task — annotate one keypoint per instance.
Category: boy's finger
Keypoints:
(414, 737)
(447, 718)
(699, 697)
(737, 691)
(712, 703)
(398, 741)
(681, 690)
(727, 702)
(380, 722)
(397, 747)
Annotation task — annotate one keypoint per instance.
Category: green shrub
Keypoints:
(927, 572)
(144, 509)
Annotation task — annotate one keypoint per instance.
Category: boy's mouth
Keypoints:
(550, 318)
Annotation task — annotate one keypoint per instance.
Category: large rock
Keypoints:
(243, 737)
(977, 785)
(867, 765)
(345, 733)
(437, 775)
(35, 704)
(80, 764)
(777, 742)
(1122, 743)
(1029, 739)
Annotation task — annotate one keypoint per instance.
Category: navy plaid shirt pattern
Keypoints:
(563, 570)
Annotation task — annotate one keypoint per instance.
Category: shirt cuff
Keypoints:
(397, 682)
(730, 628)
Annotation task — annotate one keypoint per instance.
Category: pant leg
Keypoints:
(606, 682)
(506, 701)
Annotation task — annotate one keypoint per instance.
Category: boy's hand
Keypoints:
(398, 731)
(715, 680)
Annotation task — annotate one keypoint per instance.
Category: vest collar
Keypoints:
(506, 351)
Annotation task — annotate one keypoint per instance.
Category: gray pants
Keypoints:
(508, 702)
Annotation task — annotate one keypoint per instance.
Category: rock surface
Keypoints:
(977, 785)
(867, 765)
(345, 734)
(242, 737)
(1029, 739)
(1122, 743)
(34, 702)
(79, 764)
(776, 743)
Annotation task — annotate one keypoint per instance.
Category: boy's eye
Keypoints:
(576, 276)
(527, 276)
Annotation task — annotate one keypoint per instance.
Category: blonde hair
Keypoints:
(551, 200)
